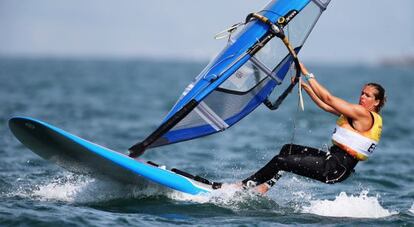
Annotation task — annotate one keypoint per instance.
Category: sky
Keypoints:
(349, 30)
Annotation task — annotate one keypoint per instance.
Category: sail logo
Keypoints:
(239, 74)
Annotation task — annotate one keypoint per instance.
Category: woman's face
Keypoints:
(367, 98)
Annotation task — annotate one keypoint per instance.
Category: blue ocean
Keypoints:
(118, 102)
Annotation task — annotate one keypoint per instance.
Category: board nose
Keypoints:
(17, 124)
(16, 121)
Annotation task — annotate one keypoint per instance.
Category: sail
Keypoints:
(241, 77)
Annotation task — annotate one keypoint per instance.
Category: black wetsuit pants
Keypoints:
(329, 167)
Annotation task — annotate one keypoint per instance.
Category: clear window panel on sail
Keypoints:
(244, 79)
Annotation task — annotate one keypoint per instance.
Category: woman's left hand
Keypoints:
(303, 69)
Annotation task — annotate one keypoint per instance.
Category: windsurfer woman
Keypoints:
(357, 133)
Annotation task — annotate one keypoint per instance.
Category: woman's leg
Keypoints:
(301, 160)
(330, 168)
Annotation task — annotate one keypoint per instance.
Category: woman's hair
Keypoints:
(380, 95)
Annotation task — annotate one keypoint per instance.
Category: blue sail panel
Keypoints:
(256, 97)
(236, 82)
(207, 129)
(254, 31)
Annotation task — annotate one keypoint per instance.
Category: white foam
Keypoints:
(61, 192)
(83, 189)
(412, 209)
(72, 188)
(361, 206)
(222, 194)
(229, 196)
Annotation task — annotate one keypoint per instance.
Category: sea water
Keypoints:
(116, 103)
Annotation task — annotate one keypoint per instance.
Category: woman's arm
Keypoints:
(337, 104)
(317, 100)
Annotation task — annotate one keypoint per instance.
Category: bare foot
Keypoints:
(262, 189)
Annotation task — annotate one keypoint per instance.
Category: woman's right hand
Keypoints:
(301, 81)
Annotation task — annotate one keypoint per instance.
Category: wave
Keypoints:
(360, 206)
(73, 188)
(229, 196)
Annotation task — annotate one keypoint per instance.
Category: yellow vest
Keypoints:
(358, 144)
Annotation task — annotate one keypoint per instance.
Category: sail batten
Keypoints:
(211, 117)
